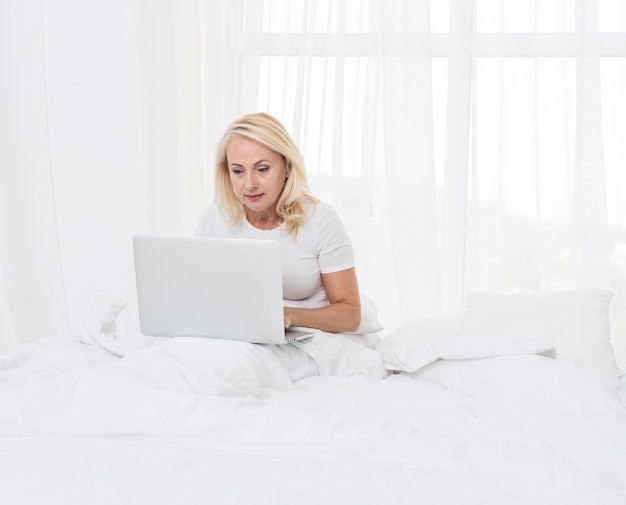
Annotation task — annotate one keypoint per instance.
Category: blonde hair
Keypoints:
(268, 131)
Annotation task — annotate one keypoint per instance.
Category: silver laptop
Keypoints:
(210, 287)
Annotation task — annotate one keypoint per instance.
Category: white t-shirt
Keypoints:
(322, 246)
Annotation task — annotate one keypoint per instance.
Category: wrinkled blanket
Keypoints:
(324, 421)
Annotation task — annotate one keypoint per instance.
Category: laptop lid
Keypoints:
(210, 287)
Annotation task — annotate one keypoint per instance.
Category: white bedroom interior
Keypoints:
(468, 146)
(474, 150)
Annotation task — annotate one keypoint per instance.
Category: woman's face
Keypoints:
(257, 174)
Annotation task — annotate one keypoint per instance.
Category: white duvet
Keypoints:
(189, 421)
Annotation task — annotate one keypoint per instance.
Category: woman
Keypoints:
(262, 193)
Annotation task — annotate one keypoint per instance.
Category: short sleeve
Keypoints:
(335, 251)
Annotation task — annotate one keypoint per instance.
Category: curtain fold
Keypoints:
(457, 155)
(409, 160)
(32, 289)
(157, 179)
(590, 198)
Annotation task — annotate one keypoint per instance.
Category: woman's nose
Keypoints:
(251, 181)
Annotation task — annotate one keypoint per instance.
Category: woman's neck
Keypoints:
(264, 220)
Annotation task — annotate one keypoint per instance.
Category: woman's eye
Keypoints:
(237, 171)
(263, 169)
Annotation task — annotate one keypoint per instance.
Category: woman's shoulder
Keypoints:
(325, 233)
(214, 221)
(321, 218)
(318, 209)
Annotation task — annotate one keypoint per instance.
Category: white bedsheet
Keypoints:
(205, 421)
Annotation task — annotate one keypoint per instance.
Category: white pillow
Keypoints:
(422, 341)
(424, 327)
(577, 321)
(421, 352)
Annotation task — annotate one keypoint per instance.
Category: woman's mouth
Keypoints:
(254, 198)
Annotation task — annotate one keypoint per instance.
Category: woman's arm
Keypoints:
(344, 311)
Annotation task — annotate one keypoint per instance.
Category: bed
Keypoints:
(517, 401)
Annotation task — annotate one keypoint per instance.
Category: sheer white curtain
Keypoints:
(94, 148)
(468, 145)
(65, 141)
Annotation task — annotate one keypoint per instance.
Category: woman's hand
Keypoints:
(287, 316)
